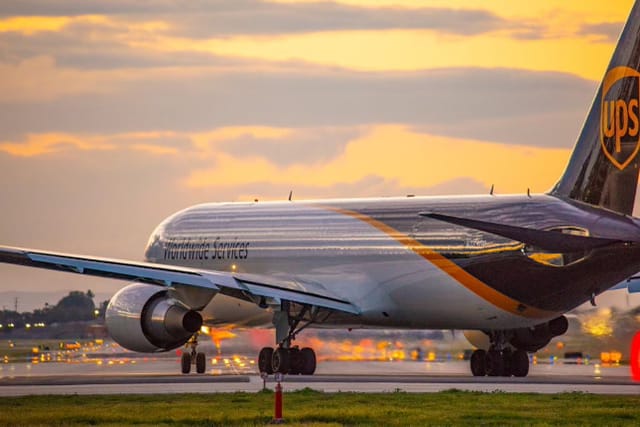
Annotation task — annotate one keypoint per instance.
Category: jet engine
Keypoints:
(144, 318)
(533, 339)
(527, 339)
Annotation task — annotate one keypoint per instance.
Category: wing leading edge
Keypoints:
(253, 287)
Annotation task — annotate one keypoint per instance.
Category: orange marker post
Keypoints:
(277, 419)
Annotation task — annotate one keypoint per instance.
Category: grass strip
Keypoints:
(313, 408)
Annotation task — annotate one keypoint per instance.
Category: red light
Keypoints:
(634, 359)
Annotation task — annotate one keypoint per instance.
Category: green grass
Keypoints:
(309, 407)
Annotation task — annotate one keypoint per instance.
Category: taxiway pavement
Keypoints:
(156, 376)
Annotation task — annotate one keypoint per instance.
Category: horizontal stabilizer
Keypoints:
(554, 241)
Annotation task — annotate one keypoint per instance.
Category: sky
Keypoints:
(115, 114)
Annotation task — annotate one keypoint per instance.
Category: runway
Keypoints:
(156, 376)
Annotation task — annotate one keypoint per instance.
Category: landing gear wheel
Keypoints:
(264, 360)
(201, 363)
(308, 361)
(495, 363)
(185, 363)
(479, 363)
(280, 360)
(520, 363)
(295, 361)
(507, 365)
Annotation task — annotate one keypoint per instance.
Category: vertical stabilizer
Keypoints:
(603, 169)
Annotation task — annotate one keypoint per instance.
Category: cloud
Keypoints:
(306, 145)
(157, 143)
(499, 105)
(215, 18)
(396, 153)
(37, 145)
(38, 79)
(83, 48)
(219, 159)
(129, 34)
(268, 19)
(605, 31)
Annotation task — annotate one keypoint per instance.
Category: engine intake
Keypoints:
(146, 319)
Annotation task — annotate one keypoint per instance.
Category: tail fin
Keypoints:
(603, 169)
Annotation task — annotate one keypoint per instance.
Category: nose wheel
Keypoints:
(192, 357)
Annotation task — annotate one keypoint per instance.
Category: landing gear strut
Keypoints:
(192, 357)
(500, 360)
(285, 358)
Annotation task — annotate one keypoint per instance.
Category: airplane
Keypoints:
(504, 268)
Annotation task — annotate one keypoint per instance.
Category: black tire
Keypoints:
(280, 360)
(295, 361)
(478, 363)
(520, 363)
(507, 363)
(308, 361)
(495, 363)
(264, 360)
(185, 363)
(201, 363)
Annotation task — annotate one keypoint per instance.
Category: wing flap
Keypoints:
(294, 290)
(167, 275)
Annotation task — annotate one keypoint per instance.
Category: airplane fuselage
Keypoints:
(400, 269)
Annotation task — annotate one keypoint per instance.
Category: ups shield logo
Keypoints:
(619, 124)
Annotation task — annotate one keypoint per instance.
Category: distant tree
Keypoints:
(75, 306)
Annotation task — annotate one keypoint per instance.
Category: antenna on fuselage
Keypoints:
(290, 194)
(491, 191)
(528, 192)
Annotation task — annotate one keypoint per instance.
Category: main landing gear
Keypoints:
(293, 360)
(192, 357)
(508, 349)
(285, 358)
(501, 360)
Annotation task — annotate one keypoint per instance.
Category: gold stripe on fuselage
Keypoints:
(453, 270)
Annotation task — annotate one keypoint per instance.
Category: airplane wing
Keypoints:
(247, 287)
(632, 284)
(544, 239)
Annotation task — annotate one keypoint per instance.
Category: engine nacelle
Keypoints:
(528, 339)
(533, 339)
(145, 318)
(478, 339)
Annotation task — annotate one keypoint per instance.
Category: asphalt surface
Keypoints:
(158, 375)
